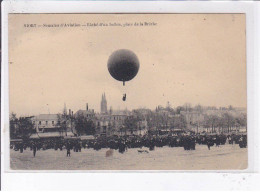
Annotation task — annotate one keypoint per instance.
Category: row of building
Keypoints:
(111, 122)
(107, 122)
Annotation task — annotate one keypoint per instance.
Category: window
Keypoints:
(40, 129)
(46, 122)
(40, 122)
(52, 122)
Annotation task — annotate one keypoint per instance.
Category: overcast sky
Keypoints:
(196, 58)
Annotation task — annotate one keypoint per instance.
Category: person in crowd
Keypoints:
(68, 147)
(34, 147)
(210, 142)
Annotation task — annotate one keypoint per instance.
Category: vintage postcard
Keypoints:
(127, 91)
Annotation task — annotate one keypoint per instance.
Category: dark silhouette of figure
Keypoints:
(122, 147)
(210, 142)
(21, 148)
(242, 141)
(68, 149)
(124, 97)
(34, 150)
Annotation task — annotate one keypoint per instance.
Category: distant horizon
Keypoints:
(122, 109)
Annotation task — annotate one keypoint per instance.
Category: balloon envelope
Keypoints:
(123, 65)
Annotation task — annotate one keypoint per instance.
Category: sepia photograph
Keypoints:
(127, 91)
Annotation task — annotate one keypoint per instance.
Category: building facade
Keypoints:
(88, 113)
(46, 123)
(48, 126)
(111, 122)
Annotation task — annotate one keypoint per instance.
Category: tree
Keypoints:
(13, 126)
(180, 122)
(80, 123)
(213, 120)
(187, 107)
(179, 109)
(21, 127)
(25, 127)
(241, 120)
(206, 122)
(230, 107)
(228, 121)
(198, 108)
(151, 120)
(131, 123)
(64, 121)
(84, 126)
(90, 128)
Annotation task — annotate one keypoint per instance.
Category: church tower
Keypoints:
(103, 104)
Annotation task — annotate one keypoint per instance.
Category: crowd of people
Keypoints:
(188, 142)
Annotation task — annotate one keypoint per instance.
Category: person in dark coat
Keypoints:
(210, 142)
(217, 141)
(34, 147)
(122, 147)
(243, 142)
(151, 144)
(68, 149)
(21, 147)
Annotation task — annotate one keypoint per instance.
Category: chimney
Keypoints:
(87, 106)
(72, 113)
(69, 112)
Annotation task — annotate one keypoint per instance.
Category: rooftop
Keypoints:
(47, 117)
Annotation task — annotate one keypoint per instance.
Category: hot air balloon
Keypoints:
(123, 65)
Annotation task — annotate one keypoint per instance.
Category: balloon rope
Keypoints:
(124, 92)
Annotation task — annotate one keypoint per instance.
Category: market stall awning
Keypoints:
(87, 137)
(51, 134)
(16, 140)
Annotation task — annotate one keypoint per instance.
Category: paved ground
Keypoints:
(225, 157)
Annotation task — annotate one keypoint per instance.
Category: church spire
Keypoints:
(103, 103)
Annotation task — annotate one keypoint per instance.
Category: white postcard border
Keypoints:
(152, 179)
